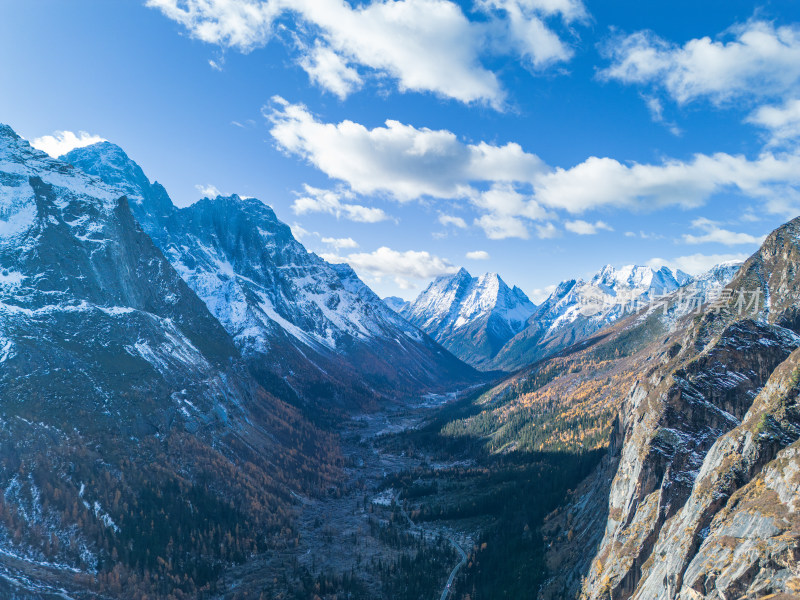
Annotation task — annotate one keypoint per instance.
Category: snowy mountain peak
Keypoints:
(150, 203)
(456, 308)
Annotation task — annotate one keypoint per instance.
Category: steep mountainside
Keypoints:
(305, 327)
(124, 400)
(577, 308)
(702, 501)
(473, 317)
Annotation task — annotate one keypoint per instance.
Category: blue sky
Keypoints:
(539, 139)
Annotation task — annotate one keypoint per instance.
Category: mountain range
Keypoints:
(310, 330)
(491, 326)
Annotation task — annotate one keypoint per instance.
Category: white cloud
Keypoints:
(398, 160)
(208, 191)
(507, 211)
(331, 202)
(401, 266)
(62, 142)
(330, 71)
(477, 255)
(713, 233)
(607, 182)
(501, 227)
(340, 243)
(299, 232)
(585, 228)
(524, 31)
(425, 45)
(753, 60)
(547, 231)
(509, 187)
(240, 24)
(783, 122)
(452, 220)
(695, 264)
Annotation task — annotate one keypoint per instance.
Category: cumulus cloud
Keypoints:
(524, 31)
(398, 160)
(782, 122)
(340, 243)
(508, 210)
(477, 255)
(452, 220)
(713, 233)
(749, 61)
(696, 264)
(336, 203)
(546, 231)
(62, 142)
(510, 188)
(424, 45)
(585, 227)
(607, 182)
(401, 266)
(241, 24)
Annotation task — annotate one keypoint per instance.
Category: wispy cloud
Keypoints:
(208, 190)
(713, 233)
(585, 228)
(337, 203)
(477, 255)
(340, 243)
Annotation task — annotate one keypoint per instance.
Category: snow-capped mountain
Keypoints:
(473, 317)
(302, 324)
(119, 386)
(578, 308)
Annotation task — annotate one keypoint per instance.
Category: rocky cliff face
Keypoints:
(124, 399)
(310, 331)
(701, 504)
(473, 317)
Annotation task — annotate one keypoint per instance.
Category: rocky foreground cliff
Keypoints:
(698, 497)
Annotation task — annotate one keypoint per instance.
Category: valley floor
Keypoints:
(360, 539)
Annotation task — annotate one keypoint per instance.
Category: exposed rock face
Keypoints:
(86, 299)
(706, 441)
(304, 326)
(473, 317)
